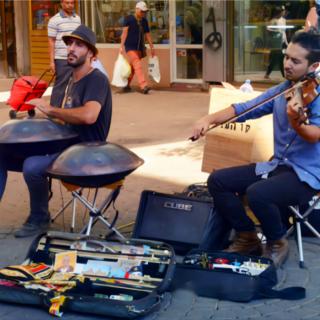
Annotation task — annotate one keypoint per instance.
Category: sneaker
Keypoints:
(146, 90)
(126, 89)
(29, 229)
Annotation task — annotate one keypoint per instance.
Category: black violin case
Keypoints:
(231, 276)
(120, 279)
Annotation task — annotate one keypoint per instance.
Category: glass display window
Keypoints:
(262, 30)
(106, 17)
(188, 22)
(8, 65)
(42, 11)
(189, 63)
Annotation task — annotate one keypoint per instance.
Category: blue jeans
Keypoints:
(266, 197)
(34, 171)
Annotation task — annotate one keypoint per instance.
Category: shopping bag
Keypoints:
(125, 67)
(121, 72)
(154, 69)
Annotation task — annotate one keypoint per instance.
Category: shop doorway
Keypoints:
(187, 35)
(7, 40)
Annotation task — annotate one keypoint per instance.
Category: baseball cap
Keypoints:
(142, 6)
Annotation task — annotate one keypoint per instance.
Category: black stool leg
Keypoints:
(303, 218)
(96, 214)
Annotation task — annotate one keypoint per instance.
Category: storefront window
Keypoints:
(42, 11)
(187, 41)
(7, 40)
(189, 63)
(189, 22)
(106, 18)
(261, 32)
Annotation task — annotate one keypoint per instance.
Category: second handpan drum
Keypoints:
(94, 164)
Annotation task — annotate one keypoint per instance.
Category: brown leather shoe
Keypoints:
(276, 250)
(245, 243)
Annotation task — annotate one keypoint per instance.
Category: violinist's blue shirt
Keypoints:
(289, 148)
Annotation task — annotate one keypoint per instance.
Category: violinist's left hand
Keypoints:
(41, 105)
(295, 108)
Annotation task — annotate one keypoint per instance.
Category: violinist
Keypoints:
(291, 177)
(86, 106)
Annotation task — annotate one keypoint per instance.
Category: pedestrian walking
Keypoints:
(135, 32)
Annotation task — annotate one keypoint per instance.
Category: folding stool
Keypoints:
(96, 213)
(303, 218)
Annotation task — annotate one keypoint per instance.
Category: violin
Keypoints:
(306, 88)
(300, 97)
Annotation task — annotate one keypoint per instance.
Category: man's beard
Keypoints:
(78, 62)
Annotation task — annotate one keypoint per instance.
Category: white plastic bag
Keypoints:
(125, 67)
(154, 69)
(121, 72)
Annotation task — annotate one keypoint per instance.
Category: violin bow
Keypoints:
(299, 84)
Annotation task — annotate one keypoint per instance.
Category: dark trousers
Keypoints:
(35, 175)
(275, 58)
(266, 197)
(63, 73)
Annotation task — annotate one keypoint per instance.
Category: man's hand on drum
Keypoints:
(41, 105)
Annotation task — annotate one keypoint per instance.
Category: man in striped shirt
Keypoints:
(64, 22)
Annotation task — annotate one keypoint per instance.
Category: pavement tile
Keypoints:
(256, 304)
(303, 312)
(232, 313)
(300, 278)
(204, 301)
(199, 313)
(281, 316)
(274, 308)
(171, 314)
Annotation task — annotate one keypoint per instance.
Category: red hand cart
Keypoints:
(24, 89)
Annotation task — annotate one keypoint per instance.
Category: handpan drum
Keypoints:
(94, 164)
(28, 137)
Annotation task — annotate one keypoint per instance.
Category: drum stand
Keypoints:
(74, 212)
(96, 213)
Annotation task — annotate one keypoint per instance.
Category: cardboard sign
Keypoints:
(236, 144)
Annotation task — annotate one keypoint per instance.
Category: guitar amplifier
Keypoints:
(177, 220)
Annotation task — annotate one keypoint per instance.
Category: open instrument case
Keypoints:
(120, 279)
(231, 276)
